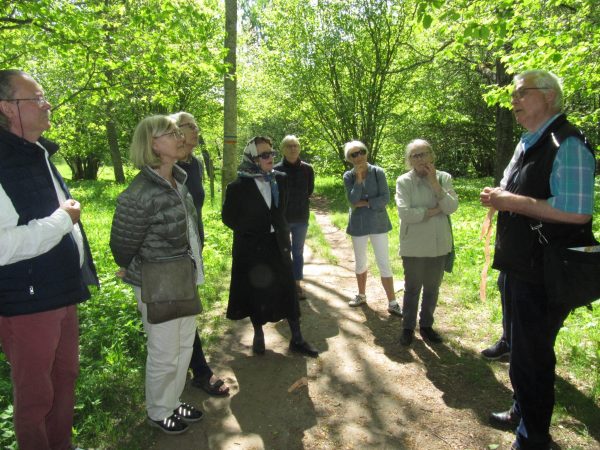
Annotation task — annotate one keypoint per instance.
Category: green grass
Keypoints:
(110, 394)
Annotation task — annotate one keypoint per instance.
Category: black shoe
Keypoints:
(505, 419)
(188, 413)
(300, 292)
(304, 348)
(171, 425)
(430, 334)
(407, 336)
(496, 351)
(258, 345)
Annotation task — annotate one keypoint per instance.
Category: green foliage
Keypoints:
(109, 63)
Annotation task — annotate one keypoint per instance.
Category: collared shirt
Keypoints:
(572, 176)
(264, 187)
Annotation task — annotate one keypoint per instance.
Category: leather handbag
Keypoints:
(169, 288)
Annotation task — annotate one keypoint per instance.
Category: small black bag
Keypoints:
(571, 277)
(169, 288)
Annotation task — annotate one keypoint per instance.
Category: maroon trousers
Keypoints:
(43, 352)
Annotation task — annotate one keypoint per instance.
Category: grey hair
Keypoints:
(290, 138)
(349, 146)
(7, 90)
(544, 80)
(414, 144)
(180, 116)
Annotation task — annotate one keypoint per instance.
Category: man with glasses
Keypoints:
(45, 267)
(549, 195)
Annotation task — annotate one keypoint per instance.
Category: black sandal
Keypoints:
(211, 389)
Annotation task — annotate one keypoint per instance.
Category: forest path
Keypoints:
(365, 391)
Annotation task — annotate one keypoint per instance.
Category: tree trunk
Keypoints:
(113, 145)
(230, 102)
(504, 128)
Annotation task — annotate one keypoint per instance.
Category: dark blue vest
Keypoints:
(51, 280)
(518, 249)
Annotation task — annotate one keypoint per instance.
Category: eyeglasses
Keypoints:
(266, 155)
(191, 126)
(359, 152)
(40, 100)
(177, 134)
(421, 155)
(522, 92)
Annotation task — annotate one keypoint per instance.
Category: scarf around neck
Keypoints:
(248, 169)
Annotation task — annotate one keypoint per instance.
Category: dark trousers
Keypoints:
(506, 308)
(532, 361)
(198, 362)
(421, 274)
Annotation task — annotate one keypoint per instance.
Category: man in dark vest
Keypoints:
(549, 197)
(45, 267)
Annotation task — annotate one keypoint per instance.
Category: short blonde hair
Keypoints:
(414, 144)
(141, 151)
(349, 146)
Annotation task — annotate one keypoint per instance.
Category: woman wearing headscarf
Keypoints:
(425, 199)
(262, 283)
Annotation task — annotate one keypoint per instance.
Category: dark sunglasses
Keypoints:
(359, 152)
(267, 155)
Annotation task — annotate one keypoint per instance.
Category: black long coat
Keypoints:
(262, 283)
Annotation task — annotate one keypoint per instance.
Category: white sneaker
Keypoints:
(358, 300)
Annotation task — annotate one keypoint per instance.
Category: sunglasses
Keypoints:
(359, 152)
(266, 155)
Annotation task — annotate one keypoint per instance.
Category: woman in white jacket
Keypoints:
(425, 199)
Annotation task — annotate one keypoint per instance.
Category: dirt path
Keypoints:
(363, 392)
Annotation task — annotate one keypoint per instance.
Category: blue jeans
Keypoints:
(532, 361)
(298, 231)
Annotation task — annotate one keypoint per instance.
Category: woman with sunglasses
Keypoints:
(203, 376)
(425, 199)
(262, 282)
(368, 194)
(155, 218)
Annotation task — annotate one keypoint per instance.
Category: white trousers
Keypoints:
(381, 248)
(169, 352)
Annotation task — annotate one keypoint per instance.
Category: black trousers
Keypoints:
(198, 362)
(534, 328)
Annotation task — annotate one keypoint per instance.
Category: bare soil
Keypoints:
(365, 391)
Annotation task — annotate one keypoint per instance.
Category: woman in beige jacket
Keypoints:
(425, 199)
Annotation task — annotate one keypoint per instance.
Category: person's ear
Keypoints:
(6, 109)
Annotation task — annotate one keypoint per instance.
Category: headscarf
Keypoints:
(249, 169)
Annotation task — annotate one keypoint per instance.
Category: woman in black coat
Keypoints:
(262, 283)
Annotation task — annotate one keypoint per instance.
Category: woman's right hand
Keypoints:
(360, 170)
